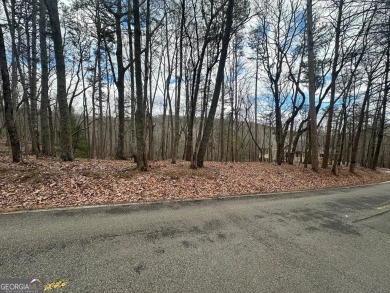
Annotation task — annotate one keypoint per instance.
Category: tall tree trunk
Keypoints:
(53, 129)
(382, 118)
(45, 130)
(65, 126)
(290, 155)
(27, 84)
(363, 158)
(93, 139)
(109, 117)
(278, 129)
(140, 112)
(325, 160)
(343, 139)
(8, 105)
(120, 82)
(337, 139)
(163, 124)
(373, 135)
(256, 156)
(312, 88)
(101, 149)
(167, 97)
(355, 144)
(14, 76)
(147, 60)
(33, 81)
(222, 123)
(218, 83)
(206, 90)
(195, 85)
(132, 86)
(86, 116)
(178, 91)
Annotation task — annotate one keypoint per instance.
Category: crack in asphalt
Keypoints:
(370, 217)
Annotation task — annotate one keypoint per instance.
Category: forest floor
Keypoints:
(47, 183)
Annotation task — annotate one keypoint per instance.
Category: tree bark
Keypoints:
(356, 140)
(179, 80)
(44, 116)
(383, 106)
(120, 83)
(132, 86)
(312, 88)
(325, 160)
(218, 83)
(8, 105)
(140, 111)
(65, 126)
(33, 81)
(195, 86)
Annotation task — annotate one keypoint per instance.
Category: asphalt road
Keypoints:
(321, 241)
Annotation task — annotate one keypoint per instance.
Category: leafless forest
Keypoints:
(285, 81)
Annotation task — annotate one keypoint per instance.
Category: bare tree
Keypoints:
(179, 82)
(8, 108)
(65, 126)
(218, 84)
(382, 118)
(44, 117)
(141, 107)
(312, 88)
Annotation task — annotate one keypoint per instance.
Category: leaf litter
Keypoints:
(46, 183)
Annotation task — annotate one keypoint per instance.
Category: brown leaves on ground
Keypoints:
(42, 183)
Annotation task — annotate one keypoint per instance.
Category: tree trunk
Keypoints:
(337, 140)
(179, 79)
(101, 149)
(383, 106)
(132, 86)
(256, 154)
(120, 83)
(140, 112)
(195, 85)
(325, 160)
(363, 158)
(218, 83)
(222, 125)
(33, 81)
(14, 76)
(278, 129)
(356, 140)
(164, 118)
(45, 130)
(8, 105)
(312, 88)
(373, 136)
(147, 72)
(65, 126)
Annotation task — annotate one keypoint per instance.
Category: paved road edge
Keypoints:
(272, 195)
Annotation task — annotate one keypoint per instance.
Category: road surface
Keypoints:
(317, 241)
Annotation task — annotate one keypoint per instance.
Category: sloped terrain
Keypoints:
(43, 183)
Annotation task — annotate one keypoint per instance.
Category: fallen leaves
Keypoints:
(46, 182)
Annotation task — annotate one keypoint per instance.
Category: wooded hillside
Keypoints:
(225, 80)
